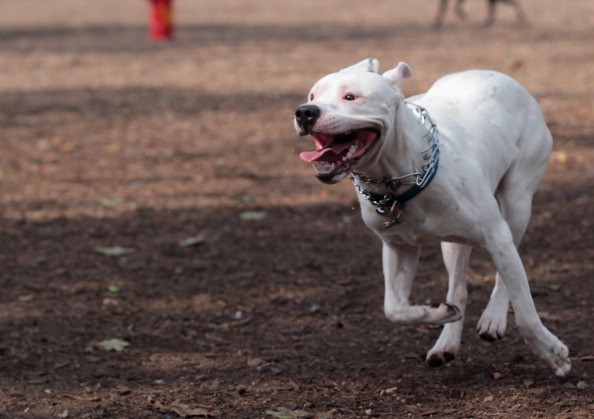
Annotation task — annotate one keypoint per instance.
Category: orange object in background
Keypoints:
(161, 20)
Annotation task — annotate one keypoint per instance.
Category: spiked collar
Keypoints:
(391, 204)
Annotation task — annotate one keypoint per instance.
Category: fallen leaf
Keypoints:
(89, 398)
(114, 289)
(114, 344)
(123, 390)
(325, 415)
(389, 390)
(294, 385)
(61, 365)
(187, 411)
(193, 241)
(235, 391)
(66, 146)
(111, 202)
(496, 375)
(229, 325)
(110, 301)
(114, 250)
(284, 413)
(252, 215)
(255, 362)
(244, 199)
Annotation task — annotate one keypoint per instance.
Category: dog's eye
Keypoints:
(349, 96)
(311, 96)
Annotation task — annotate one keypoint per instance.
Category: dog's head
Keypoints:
(348, 114)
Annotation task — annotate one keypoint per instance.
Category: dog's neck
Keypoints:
(404, 150)
(385, 194)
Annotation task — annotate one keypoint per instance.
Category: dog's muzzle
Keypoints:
(306, 117)
(335, 152)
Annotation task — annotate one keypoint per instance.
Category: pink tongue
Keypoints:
(311, 156)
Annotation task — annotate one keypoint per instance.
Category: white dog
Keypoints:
(458, 164)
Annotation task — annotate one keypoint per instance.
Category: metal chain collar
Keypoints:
(389, 204)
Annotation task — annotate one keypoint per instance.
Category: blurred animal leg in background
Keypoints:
(521, 17)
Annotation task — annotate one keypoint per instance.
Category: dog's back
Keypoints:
(475, 105)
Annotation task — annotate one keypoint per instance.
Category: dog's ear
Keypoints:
(370, 64)
(396, 75)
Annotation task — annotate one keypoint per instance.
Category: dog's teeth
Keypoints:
(351, 151)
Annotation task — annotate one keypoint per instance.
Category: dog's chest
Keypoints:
(421, 222)
(411, 229)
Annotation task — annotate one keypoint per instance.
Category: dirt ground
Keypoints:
(152, 194)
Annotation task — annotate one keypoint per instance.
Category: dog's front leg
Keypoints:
(400, 265)
(543, 343)
(446, 348)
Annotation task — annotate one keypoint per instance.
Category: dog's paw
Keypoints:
(554, 352)
(491, 326)
(439, 359)
(446, 313)
(561, 363)
(557, 358)
(447, 346)
(434, 314)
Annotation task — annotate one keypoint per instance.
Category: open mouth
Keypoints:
(335, 154)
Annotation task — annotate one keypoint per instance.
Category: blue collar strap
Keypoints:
(391, 204)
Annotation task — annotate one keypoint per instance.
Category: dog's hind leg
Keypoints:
(498, 241)
(515, 207)
(446, 348)
(514, 196)
(400, 265)
(502, 237)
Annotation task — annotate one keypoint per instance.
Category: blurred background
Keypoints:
(151, 192)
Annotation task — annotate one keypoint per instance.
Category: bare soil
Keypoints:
(276, 309)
